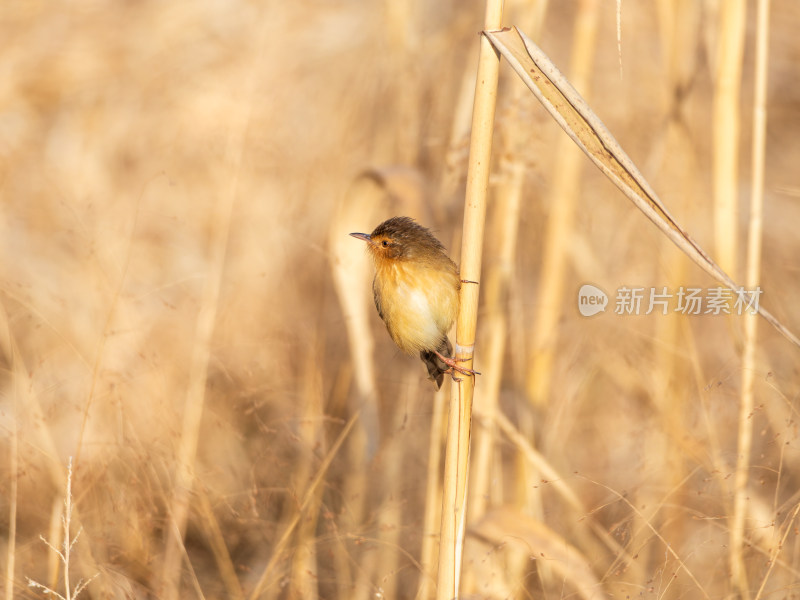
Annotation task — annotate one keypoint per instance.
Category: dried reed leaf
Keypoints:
(219, 548)
(507, 526)
(277, 552)
(373, 196)
(575, 117)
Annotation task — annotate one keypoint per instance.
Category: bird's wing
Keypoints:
(376, 295)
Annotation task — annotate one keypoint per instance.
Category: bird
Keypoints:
(416, 290)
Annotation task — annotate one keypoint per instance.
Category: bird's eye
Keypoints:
(385, 243)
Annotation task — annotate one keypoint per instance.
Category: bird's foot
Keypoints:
(451, 362)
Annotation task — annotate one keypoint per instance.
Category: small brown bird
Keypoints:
(416, 292)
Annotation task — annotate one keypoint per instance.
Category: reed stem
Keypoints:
(460, 416)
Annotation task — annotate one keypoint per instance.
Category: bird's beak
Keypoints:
(362, 236)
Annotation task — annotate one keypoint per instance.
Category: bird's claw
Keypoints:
(451, 362)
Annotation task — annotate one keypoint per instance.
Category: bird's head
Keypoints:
(381, 246)
(400, 238)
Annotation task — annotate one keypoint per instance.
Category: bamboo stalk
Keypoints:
(459, 134)
(500, 275)
(752, 277)
(486, 472)
(460, 416)
(54, 536)
(727, 89)
(432, 506)
(7, 348)
(402, 33)
(498, 278)
(486, 480)
(450, 180)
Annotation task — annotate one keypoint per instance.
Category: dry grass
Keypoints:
(126, 126)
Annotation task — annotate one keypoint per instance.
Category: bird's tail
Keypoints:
(436, 368)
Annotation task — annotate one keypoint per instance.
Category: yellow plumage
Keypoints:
(416, 291)
(418, 303)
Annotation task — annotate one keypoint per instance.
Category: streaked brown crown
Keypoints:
(401, 238)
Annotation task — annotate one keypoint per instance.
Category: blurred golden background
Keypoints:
(183, 313)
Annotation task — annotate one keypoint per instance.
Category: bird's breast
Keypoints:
(417, 304)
